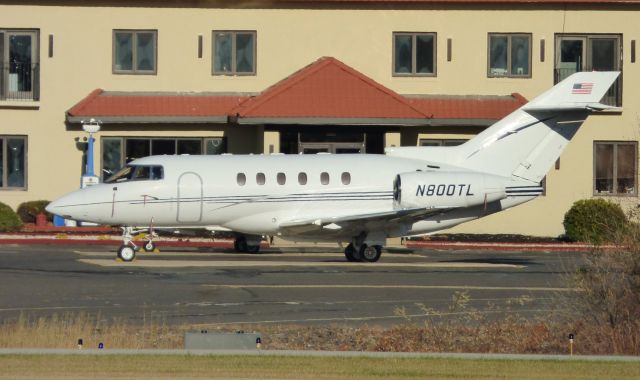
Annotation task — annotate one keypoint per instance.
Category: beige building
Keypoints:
(211, 77)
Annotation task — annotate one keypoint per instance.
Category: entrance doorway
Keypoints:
(330, 139)
(334, 148)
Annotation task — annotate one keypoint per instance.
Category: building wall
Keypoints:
(287, 40)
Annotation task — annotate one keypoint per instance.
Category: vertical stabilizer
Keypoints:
(526, 143)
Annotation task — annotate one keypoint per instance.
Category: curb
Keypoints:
(530, 247)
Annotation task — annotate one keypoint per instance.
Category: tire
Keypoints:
(126, 253)
(349, 253)
(149, 246)
(253, 248)
(371, 253)
(240, 244)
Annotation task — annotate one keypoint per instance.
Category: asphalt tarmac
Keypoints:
(219, 287)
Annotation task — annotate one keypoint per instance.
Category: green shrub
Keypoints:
(27, 211)
(595, 221)
(9, 220)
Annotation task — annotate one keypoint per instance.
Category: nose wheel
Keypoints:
(127, 253)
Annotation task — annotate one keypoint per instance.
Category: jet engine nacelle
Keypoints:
(447, 189)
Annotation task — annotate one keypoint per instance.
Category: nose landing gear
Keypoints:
(127, 251)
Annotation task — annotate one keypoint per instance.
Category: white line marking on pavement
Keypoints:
(244, 264)
(408, 287)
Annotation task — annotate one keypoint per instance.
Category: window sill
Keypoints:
(20, 104)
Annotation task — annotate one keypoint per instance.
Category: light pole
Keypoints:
(91, 127)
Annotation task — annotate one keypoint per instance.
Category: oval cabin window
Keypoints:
(324, 178)
(346, 178)
(281, 178)
(260, 179)
(241, 179)
(302, 178)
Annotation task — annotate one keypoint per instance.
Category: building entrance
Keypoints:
(330, 141)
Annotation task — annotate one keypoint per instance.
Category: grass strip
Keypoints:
(288, 367)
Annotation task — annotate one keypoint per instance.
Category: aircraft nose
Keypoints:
(53, 207)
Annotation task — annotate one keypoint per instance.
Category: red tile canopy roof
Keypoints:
(325, 92)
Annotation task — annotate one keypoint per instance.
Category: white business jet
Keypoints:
(359, 199)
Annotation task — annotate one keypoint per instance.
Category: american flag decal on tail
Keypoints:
(582, 88)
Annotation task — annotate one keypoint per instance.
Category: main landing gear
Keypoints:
(128, 249)
(247, 244)
(367, 253)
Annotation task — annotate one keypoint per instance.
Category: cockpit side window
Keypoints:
(137, 173)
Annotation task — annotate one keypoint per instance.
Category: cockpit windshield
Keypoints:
(137, 173)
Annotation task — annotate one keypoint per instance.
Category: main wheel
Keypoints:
(350, 253)
(370, 253)
(240, 244)
(149, 246)
(126, 253)
(253, 248)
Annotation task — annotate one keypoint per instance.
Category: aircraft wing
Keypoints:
(359, 222)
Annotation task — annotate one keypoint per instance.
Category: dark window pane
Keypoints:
(19, 63)
(111, 156)
(520, 55)
(189, 147)
(453, 142)
(604, 168)
(603, 56)
(570, 58)
(403, 54)
(124, 51)
(146, 52)
(244, 53)
(216, 146)
(136, 148)
(281, 178)
(222, 58)
(498, 55)
(424, 54)
(162, 146)
(15, 163)
(157, 172)
(626, 165)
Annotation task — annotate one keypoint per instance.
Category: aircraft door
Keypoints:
(189, 198)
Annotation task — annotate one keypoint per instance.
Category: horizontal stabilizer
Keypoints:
(580, 91)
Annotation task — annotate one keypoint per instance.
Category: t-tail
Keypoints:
(525, 144)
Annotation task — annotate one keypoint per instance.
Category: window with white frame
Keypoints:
(509, 55)
(615, 168)
(135, 51)
(13, 162)
(118, 151)
(414, 54)
(234, 52)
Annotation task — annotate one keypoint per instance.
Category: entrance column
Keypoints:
(271, 142)
(391, 139)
